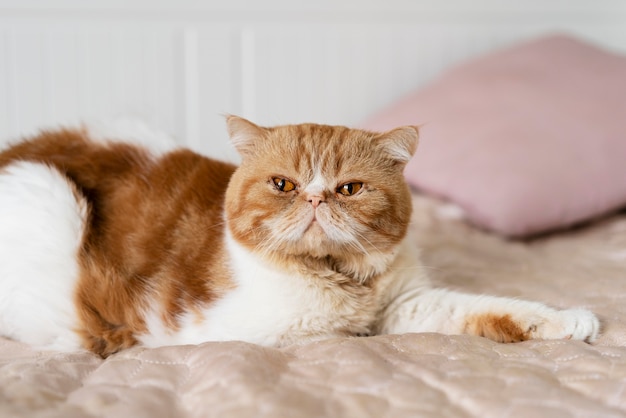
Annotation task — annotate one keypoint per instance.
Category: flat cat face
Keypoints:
(319, 191)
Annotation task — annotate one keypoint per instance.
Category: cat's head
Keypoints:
(321, 191)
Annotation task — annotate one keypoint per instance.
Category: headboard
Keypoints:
(181, 64)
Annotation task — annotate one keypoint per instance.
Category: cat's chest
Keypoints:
(272, 307)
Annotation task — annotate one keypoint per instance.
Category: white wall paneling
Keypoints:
(181, 65)
(56, 74)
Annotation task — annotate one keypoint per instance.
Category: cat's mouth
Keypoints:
(314, 227)
(315, 232)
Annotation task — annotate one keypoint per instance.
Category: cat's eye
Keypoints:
(283, 185)
(349, 189)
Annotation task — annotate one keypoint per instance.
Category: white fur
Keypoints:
(415, 307)
(41, 225)
(411, 304)
(267, 307)
(317, 185)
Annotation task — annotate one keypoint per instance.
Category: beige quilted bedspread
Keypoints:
(387, 376)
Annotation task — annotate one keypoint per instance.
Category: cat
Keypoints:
(105, 245)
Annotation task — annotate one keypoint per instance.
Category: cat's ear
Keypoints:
(243, 134)
(400, 143)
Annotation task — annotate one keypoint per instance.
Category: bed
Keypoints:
(393, 375)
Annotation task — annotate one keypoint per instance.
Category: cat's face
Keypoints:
(316, 190)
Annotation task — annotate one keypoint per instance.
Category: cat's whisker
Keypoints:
(359, 247)
(214, 226)
(267, 246)
(364, 238)
(271, 244)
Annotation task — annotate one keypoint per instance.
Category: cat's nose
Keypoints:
(316, 199)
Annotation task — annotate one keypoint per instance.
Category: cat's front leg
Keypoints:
(497, 318)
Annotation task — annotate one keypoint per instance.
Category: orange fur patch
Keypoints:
(499, 328)
(154, 229)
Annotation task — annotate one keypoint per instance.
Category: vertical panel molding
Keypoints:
(191, 83)
(248, 73)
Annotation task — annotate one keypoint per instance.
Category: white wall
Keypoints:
(180, 64)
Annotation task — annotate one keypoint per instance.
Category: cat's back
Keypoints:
(130, 190)
(97, 163)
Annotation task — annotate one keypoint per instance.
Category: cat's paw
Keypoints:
(537, 322)
(575, 324)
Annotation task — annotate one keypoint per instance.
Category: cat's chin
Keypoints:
(314, 242)
(315, 229)
(319, 239)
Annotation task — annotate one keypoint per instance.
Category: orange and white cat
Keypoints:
(104, 245)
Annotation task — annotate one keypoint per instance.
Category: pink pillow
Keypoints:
(526, 140)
